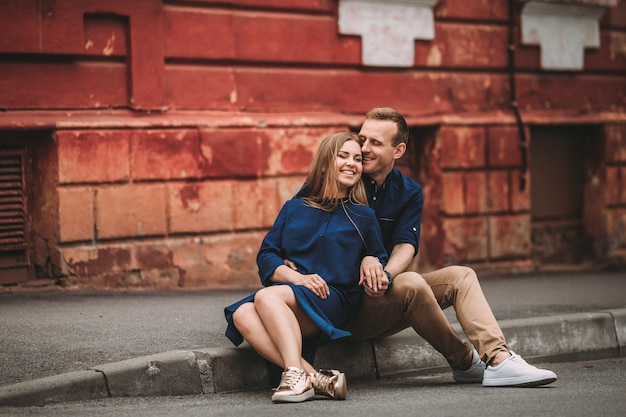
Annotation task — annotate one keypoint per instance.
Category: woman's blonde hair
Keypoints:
(322, 182)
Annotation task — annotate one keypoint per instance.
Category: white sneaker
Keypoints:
(472, 375)
(515, 372)
(295, 386)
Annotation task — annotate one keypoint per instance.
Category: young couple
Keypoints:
(315, 248)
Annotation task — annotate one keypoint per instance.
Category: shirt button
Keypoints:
(374, 198)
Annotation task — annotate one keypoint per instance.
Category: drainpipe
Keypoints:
(523, 143)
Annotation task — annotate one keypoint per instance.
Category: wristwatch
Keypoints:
(390, 277)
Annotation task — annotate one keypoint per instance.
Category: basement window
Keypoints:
(13, 244)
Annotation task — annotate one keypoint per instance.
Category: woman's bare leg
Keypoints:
(274, 326)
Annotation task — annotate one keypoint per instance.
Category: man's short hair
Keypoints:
(387, 113)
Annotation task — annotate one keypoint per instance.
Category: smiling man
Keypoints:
(398, 298)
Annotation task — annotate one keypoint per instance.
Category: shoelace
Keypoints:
(291, 378)
(324, 383)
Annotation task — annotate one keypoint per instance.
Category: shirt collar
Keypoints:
(368, 180)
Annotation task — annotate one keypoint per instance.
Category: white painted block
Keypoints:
(563, 31)
(388, 29)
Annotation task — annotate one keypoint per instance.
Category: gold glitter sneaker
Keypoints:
(330, 383)
(295, 386)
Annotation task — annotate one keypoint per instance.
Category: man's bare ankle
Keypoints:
(500, 356)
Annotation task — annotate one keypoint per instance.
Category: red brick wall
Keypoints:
(179, 129)
(239, 59)
(174, 207)
(477, 209)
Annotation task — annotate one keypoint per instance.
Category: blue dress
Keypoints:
(324, 243)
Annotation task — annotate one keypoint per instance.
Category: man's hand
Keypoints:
(290, 264)
(373, 278)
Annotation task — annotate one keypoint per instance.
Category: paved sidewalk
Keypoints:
(59, 345)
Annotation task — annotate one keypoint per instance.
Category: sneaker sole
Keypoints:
(514, 382)
(459, 380)
(306, 395)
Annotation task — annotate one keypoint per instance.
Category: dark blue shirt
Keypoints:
(398, 204)
(320, 242)
(323, 243)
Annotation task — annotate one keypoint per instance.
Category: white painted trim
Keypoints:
(562, 31)
(388, 29)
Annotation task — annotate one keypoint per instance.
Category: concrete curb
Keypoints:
(580, 336)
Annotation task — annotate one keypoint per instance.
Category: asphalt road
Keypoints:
(584, 389)
(44, 333)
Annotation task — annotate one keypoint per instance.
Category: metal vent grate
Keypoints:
(12, 216)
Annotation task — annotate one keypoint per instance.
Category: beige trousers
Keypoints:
(418, 301)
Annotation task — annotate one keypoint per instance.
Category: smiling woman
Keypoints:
(349, 165)
(324, 235)
(341, 155)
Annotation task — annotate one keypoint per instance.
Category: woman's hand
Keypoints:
(373, 278)
(316, 285)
